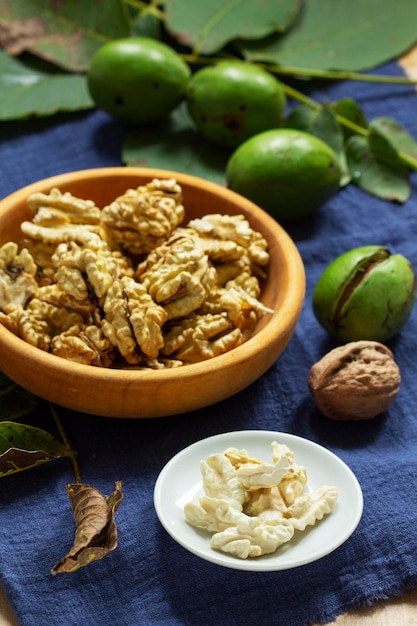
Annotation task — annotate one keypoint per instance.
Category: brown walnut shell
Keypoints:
(356, 381)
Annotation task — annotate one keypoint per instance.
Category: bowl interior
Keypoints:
(283, 291)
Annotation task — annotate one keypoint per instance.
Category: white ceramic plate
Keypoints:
(180, 482)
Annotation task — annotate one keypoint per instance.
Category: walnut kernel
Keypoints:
(127, 285)
(356, 381)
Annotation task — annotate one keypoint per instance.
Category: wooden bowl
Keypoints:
(143, 393)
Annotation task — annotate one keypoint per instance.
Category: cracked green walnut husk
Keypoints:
(366, 293)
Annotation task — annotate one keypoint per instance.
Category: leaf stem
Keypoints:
(152, 7)
(304, 72)
(338, 75)
(196, 59)
(72, 454)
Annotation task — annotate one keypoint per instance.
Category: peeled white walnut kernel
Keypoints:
(356, 381)
(253, 507)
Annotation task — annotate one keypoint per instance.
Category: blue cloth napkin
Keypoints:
(149, 578)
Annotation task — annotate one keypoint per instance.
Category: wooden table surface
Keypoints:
(401, 611)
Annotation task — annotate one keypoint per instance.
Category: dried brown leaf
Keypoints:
(18, 36)
(96, 531)
(64, 33)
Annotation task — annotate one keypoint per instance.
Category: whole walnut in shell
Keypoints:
(356, 381)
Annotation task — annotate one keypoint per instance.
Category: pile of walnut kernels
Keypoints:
(127, 285)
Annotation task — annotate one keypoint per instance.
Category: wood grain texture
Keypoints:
(409, 63)
(7, 617)
(400, 611)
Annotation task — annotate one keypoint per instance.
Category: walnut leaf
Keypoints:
(96, 530)
(18, 36)
(23, 447)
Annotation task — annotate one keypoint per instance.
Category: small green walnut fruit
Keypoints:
(366, 293)
(233, 100)
(137, 79)
(289, 173)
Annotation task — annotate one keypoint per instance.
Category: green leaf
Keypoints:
(31, 89)
(325, 126)
(352, 35)
(300, 118)
(207, 27)
(65, 33)
(146, 24)
(23, 447)
(322, 123)
(396, 134)
(349, 109)
(376, 168)
(14, 400)
(176, 145)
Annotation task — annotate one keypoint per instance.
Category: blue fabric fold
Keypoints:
(149, 578)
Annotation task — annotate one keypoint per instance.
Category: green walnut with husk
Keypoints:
(137, 79)
(366, 293)
(234, 100)
(288, 173)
